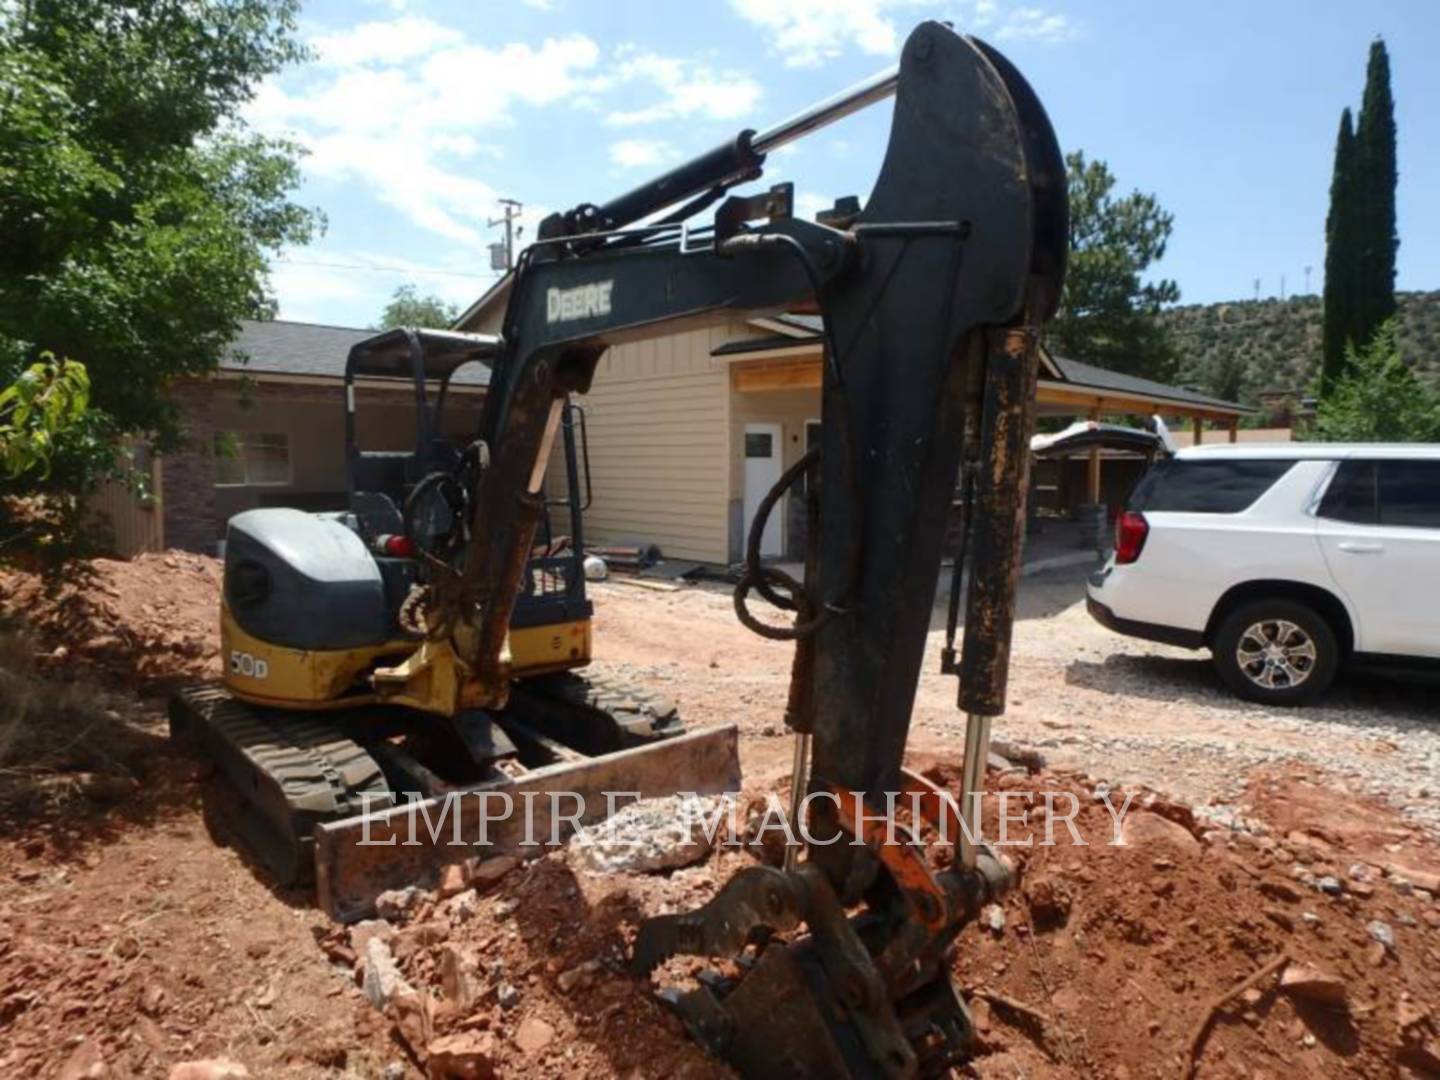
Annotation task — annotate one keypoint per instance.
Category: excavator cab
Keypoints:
(414, 503)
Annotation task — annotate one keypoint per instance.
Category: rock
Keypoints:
(363, 931)
(507, 996)
(381, 979)
(1329, 885)
(452, 880)
(84, 1063)
(577, 976)
(649, 836)
(1143, 829)
(1311, 984)
(1048, 902)
(993, 918)
(1280, 890)
(413, 1018)
(1409, 1015)
(459, 980)
(1382, 933)
(488, 872)
(1419, 878)
(397, 904)
(1280, 917)
(1421, 1056)
(107, 788)
(210, 1069)
(466, 1055)
(533, 1035)
(465, 906)
(412, 939)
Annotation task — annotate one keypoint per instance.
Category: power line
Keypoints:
(386, 269)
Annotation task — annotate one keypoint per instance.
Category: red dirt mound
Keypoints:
(153, 617)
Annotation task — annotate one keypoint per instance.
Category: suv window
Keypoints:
(1410, 493)
(1206, 487)
(1352, 494)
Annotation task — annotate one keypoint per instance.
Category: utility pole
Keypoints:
(1282, 288)
(1307, 279)
(502, 255)
(1257, 288)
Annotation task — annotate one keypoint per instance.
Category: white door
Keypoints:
(762, 470)
(1379, 526)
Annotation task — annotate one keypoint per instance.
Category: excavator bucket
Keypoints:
(357, 858)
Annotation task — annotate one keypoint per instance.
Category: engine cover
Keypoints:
(304, 582)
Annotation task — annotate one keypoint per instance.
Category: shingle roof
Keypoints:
(1071, 371)
(1104, 379)
(279, 347)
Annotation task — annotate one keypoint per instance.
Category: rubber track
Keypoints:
(645, 714)
(294, 770)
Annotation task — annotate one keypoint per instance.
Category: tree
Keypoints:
(39, 408)
(1377, 398)
(1360, 235)
(137, 209)
(408, 308)
(1341, 257)
(1375, 152)
(1108, 314)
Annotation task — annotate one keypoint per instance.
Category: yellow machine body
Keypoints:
(421, 675)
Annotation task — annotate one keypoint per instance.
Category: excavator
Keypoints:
(932, 296)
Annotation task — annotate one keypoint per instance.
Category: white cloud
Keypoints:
(395, 107)
(1035, 24)
(633, 153)
(390, 41)
(540, 5)
(687, 90)
(313, 282)
(808, 204)
(807, 33)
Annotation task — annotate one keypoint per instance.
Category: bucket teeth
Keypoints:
(758, 898)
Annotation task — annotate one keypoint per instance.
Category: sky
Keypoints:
(418, 115)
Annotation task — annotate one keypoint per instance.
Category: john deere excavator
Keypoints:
(932, 296)
(331, 695)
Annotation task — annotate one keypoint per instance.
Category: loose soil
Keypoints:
(138, 928)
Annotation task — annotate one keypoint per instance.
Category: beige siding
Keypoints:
(658, 421)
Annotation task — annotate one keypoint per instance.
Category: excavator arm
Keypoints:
(932, 298)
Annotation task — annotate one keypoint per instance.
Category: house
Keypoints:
(268, 429)
(688, 431)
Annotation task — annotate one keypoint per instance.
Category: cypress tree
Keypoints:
(1375, 152)
(1341, 257)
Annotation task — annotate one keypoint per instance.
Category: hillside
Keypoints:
(1252, 346)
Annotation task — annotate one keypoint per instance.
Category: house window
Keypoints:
(251, 458)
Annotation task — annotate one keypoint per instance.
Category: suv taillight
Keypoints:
(1131, 529)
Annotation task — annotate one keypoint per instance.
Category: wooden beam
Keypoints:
(1234, 429)
(1198, 427)
(779, 375)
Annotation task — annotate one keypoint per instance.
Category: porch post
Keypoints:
(1198, 427)
(1092, 485)
(1234, 429)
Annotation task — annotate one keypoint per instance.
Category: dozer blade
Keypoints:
(358, 858)
(292, 770)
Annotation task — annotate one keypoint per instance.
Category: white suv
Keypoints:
(1284, 560)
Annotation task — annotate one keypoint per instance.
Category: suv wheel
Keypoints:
(1276, 652)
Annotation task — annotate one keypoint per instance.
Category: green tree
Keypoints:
(37, 410)
(408, 308)
(1341, 256)
(1360, 235)
(137, 209)
(1108, 314)
(1377, 398)
(1375, 150)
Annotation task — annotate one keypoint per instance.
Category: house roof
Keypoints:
(799, 330)
(280, 347)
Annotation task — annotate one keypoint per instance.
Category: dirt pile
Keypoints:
(153, 617)
(1108, 958)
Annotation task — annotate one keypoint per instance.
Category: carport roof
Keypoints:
(796, 331)
(279, 347)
